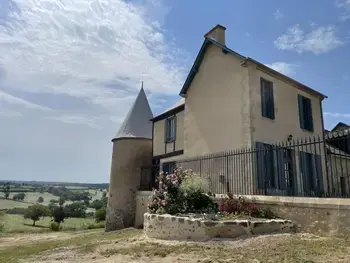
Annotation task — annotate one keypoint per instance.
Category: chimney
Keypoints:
(217, 33)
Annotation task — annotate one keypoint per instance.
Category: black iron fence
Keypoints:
(315, 166)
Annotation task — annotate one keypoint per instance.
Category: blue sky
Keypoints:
(69, 70)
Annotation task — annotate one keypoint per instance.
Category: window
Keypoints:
(169, 167)
(311, 172)
(267, 101)
(274, 167)
(170, 129)
(266, 166)
(305, 113)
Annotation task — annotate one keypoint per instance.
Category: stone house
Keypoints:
(229, 102)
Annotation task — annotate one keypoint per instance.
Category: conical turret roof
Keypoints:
(137, 122)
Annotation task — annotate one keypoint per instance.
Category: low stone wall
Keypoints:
(326, 216)
(184, 228)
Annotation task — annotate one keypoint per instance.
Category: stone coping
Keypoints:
(169, 227)
(311, 202)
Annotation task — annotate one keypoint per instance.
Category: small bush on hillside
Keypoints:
(2, 225)
(40, 199)
(17, 211)
(100, 215)
(55, 226)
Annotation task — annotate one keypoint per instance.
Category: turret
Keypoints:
(132, 149)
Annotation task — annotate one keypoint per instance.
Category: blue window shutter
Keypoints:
(310, 119)
(260, 178)
(280, 168)
(303, 170)
(175, 124)
(263, 98)
(267, 100)
(319, 176)
(271, 104)
(166, 167)
(166, 130)
(294, 186)
(301, 112)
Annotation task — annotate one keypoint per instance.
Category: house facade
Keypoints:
(230, 101)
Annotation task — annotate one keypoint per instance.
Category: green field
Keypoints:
(32, 197)
(17, 224)
(8, 204)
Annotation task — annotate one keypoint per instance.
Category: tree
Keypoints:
(76, 209)
(19, 197)
(58, 214)
(61, 201)
(6, 190)
(40, 199)
(35, 212)
(100, 215)
(104, 194)
(97, 204)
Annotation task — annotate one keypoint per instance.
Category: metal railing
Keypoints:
(311, 167)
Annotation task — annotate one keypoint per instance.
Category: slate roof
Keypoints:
(137, 122)
(210, 41)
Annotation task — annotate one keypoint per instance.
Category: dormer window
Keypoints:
(170, 129)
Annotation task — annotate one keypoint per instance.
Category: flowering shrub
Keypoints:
(241, 206)
(172, 198)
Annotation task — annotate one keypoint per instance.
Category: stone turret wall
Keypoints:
(129, 154)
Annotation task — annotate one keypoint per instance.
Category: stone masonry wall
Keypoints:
(326, 216)
(170, 227)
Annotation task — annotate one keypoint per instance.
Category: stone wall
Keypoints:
(326, 216)
(170, 227)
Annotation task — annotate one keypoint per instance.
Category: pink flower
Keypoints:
(163, 202)
(175, 182)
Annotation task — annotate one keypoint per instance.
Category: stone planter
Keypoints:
(168, 227)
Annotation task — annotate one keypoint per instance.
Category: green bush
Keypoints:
(193, 182)
(100, 215)
(17, 211)
(2, 225)
(232, 205)
(55, 226)
(182, 192)
(95, 226)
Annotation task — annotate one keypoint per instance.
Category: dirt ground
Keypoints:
(132, 246)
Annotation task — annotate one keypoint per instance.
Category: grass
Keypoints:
(292, 249)
(17, 224)
(8, 204)
(85, 243)
(130, 244)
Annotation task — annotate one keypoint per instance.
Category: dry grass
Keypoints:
(131, 246)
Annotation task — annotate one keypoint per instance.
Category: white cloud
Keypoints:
(10, 113)
(76, 47)
(278, 15)
(284, 68)
(71, 119)
(84, 60)
(10, 99)
(319, 40)
(337, 114)
(344, 6)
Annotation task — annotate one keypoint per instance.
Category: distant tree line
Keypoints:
(68, 194)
